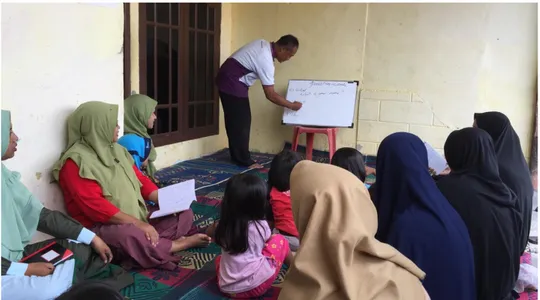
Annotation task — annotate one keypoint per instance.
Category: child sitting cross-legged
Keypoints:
(251, 257)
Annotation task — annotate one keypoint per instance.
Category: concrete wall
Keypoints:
(424, 68)
(55, 57)
(170, 154)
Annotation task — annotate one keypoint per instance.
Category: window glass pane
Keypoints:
(209, 114)
(202, 17)
(191, 71)
(150, 89)
(201, 76)
(210, 76)
(150, 11)
(192, 11)
(200, 119)
(174, 13)
(163, 66)
(174, 65)
(162, 13)
(174, 119)
(162, 121)
(211, 12)
(191, 116)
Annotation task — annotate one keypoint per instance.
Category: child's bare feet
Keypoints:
(256, 166)
(196, 240)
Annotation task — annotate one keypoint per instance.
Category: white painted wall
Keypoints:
(55, 57)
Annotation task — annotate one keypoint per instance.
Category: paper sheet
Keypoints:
(435, 160)
(175, 198)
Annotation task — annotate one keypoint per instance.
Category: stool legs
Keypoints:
(309, 145)
(331, 143)
(295, 138)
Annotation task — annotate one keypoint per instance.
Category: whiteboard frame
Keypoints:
(355, 102)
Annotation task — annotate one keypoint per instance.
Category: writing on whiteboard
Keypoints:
(324, 103)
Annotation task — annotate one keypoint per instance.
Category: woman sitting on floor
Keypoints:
(417, 220)
(22, 215)
(340, 257)
(139, 116)
(106, 192)
(513, 168)
(487, 207)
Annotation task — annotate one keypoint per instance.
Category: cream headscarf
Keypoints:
(339, 257)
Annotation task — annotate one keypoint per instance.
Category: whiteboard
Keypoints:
(324, 103)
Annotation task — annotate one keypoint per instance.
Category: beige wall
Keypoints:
(55, 57)
(170, 154)
(424, 68)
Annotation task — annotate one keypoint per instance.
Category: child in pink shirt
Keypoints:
(251, 256)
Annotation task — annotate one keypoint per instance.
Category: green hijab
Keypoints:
(20, 209)
(90, 132)
(137, 111)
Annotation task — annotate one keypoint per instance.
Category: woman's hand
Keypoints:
(445, 171)
(39, 269)
(102, 249)
(370, 170)
(150, 232)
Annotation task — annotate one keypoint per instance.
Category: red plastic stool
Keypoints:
(331, 133)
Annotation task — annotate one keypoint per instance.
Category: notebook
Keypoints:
(53, 253)
(175, 198)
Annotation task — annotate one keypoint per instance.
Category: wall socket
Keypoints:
(359, 147)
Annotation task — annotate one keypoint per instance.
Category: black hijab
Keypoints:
(513, 168)
(487, 207)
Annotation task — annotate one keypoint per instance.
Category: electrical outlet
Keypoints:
(359, 147)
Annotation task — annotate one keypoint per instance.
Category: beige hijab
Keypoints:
(339, 257)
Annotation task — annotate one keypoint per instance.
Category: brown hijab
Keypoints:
(339, 257)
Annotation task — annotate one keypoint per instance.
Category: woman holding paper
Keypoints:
(22, 216)
(106, 192)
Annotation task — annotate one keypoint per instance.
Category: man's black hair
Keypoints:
(288, 41)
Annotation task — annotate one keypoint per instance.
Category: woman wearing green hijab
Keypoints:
(105, 191)
(22, 216)
(139, 116)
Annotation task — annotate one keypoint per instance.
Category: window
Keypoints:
(179, 59)
(126, 49)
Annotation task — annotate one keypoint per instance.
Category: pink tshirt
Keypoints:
(243, 272)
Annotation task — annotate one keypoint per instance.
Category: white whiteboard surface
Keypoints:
(324, 103)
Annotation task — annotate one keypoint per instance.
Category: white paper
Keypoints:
(175, 198)
(435, 160)
(50, 255)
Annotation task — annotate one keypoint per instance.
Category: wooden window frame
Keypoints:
(184, 133)
(126, 49)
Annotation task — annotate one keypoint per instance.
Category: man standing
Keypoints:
(251, 62)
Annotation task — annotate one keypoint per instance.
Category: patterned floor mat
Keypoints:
(196, 277)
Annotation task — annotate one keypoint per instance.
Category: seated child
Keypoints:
(280, 198)
(352, 160)
(251, 257)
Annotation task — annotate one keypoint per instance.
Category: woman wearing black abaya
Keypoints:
(513, 168)
(487, 207)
